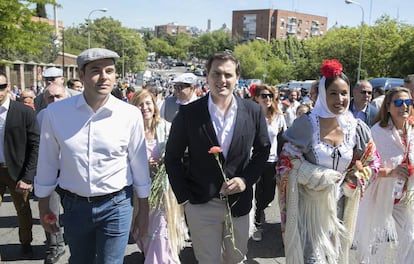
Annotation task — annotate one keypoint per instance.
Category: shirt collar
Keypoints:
(6, 104)
(213, 109)
(109, 105)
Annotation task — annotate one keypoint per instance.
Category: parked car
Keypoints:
(387, 83)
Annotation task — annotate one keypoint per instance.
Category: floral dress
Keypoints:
(319, 189)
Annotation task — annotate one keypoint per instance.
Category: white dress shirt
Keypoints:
(97, 153)
(223, 125)
(4, 108)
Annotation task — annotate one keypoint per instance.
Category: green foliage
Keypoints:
(21, 37)
(41, 10)
(212, 42)
(109, 33)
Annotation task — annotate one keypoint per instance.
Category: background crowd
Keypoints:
(200, 162)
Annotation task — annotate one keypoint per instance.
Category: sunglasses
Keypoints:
(3, 86)
(180, 87)
(366, 92)
(264, 96)
(400, 102)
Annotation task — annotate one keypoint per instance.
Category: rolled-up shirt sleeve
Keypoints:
(45, 181)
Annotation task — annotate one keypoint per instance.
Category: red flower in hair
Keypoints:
(252, 89)
(331, 68)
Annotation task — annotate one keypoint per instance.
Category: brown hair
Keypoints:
(383, 115)
(223, 56)
(137, 99)
(274, 108)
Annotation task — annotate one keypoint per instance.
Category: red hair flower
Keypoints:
(331, 68)
(252, 90)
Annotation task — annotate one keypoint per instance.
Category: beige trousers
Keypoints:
(211, 244)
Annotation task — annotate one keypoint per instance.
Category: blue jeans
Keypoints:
(98, 232)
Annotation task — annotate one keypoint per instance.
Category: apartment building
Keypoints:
(274, 23)
(171, 29)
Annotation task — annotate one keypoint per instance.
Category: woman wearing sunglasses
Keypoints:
(267, 97)
(318, 189)
(385, 226)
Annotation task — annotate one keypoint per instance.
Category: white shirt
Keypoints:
(4, 108)
(97, 153)
(290, 112)
(223, 125)
(278, 124)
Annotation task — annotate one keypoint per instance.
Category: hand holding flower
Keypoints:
(232, 186)
(49, 222)
(49, 219)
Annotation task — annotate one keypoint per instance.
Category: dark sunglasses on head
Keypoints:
(399, 102)
(366, 92)
(180, 87)
(3, 86)
(264, 96)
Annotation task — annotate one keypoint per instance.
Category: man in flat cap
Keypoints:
(50, 75)
(101, 154)
(184, 93)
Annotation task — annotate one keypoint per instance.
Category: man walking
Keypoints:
(19, 144)
(184, 93)
(101, 154)
(238, 126)
(54, 241)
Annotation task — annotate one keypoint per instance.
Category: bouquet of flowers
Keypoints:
(159, 184)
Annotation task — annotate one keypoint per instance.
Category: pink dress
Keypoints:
(156, 246)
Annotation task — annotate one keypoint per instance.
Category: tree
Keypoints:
(212, 42)
(41, 10)
(21, 36)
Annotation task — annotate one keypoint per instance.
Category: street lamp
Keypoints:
(89, 24)
(360, 38)
(265, 59)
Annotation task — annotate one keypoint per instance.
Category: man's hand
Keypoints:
(233, 186)
(44, 213)
(23, 187)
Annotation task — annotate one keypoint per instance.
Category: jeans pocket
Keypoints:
(123, 198)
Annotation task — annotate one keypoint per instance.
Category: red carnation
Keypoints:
(331, 68)
(50, 219)
(215, 149)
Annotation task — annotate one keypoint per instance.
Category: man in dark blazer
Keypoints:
(236, 125)
(360, 105)
(19, 144)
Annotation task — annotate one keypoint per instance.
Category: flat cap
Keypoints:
(187, 78)
(52, 72)
(94, 54)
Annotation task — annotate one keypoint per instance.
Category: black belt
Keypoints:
(92, 199)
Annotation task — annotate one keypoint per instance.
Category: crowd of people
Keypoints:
(200, 166)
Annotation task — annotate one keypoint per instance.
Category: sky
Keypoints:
(145, 13)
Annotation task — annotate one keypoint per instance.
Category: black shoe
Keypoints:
(53, 255)
(27, 250)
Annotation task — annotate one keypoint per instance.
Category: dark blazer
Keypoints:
(21, 142)
(370, 113)
(192, 129)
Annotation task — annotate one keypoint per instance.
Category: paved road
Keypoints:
(268, 251)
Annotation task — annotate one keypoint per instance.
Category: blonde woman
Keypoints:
(385, 226)
(166, 229)
(267, 97)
